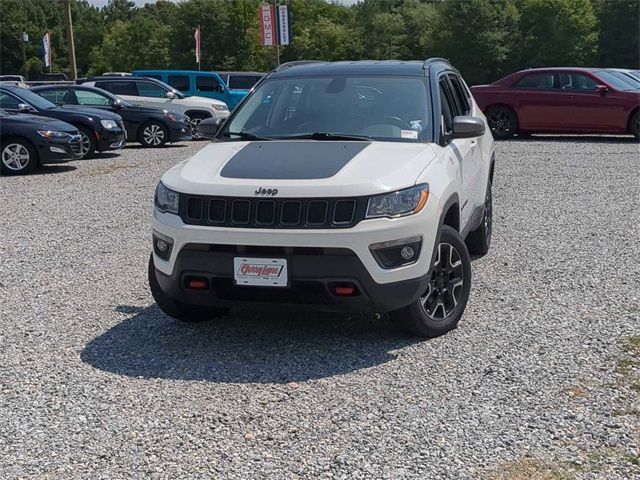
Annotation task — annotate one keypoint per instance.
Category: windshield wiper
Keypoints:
(327, 136)
(245, 135)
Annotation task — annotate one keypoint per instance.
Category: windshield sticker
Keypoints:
(412, 134)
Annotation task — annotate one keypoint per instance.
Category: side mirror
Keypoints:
(116, 105)
(170, 95)
(209, 127)
(602, 89)
(467, 127)
(24, 108)
(219, 88)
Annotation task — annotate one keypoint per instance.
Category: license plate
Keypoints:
(264, 272)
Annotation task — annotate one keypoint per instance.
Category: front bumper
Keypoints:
(179, 131)
(111, 140)
(55, 150)
(382, 289)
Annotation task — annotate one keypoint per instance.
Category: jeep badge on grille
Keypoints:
(266, 191)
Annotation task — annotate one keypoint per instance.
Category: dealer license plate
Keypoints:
(264, 272)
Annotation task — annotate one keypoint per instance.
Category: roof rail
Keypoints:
(295, 63)
(430, 61)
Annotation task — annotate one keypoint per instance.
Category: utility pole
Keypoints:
(71, 44)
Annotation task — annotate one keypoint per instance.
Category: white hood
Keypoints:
(353, 169)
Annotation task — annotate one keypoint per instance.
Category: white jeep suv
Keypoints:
(150, 92)
(344, 186)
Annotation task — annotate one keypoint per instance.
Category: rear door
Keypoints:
(126, 89)
(537, 100)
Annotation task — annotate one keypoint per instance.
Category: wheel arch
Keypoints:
(451, 212)
(196, 111)
(631, 114)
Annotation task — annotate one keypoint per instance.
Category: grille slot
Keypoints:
(292, 213)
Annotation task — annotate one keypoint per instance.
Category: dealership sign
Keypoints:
(275, 25)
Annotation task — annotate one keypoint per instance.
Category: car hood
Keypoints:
(92, 112)
(40, 123)
(301, 168)
(205, 101)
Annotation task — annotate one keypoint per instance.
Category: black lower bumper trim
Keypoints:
(312, 277)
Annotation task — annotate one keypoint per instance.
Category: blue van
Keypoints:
(195, 82)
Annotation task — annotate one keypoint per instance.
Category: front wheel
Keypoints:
(196, 120)
(18, 157)
(88, 143)
(179, 310)
(153, 134)
(503, 122)
(439, 309)
(635, 126)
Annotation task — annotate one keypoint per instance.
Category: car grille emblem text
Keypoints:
(266, 191)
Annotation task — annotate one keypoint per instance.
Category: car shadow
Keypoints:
(101, 156)
(245, 347)
(52, 169)
(137, 146)
(576, 138)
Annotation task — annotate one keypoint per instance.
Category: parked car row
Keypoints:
(562, 100)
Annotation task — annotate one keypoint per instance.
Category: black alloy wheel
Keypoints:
(503, 122)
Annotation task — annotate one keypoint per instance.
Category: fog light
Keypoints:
(397, 253)
(407, 253)
(162, 245)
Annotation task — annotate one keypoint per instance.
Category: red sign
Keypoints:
(267, 25)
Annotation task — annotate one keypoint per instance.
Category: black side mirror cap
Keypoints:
(116, 105)
(209, 127)
(467, 127)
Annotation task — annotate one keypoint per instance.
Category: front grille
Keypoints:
(272, 213)
(76, 144)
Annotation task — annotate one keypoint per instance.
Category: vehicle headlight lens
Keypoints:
(109, 124)
(221, 108)
(402, 202)
(52, 134)
(166, 200)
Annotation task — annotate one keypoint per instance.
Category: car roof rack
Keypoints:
(430, 61)
(296, 63)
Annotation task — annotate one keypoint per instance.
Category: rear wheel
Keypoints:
(179, 310)
(503, 122)
(479, 240)
(88, 142)
(18, 157)
(153, 134)
(439, 309)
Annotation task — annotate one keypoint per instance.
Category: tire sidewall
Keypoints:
(192, 118)
(92, 142)
(33, 157)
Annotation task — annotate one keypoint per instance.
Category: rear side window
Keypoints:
(85, 97)
(179, 82)
(207, 84)
(149, 89)
(542, 81)
(460, 94)
(242, 82)
(119, 88)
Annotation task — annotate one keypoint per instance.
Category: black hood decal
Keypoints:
(290, 160)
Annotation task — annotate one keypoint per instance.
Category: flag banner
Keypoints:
(284, 25)
(196, 36)
(267, 25)
(45, 49)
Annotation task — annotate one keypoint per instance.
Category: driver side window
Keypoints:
(91, 98)
(9, 102)
(148, 89)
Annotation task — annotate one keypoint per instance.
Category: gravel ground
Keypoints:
(539, 381)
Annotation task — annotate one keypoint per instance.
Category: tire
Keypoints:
(153, 134)
(196, 118)
(17, 156)
(179, 310)
(88, 143)
(445, 297)
(503, 122)
(634, 126)
(479, 241)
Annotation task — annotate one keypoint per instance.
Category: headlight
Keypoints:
(52, 134)
(403, 202)
(166, 200)
(220, 108)
(109, 124)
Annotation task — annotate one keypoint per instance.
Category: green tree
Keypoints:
(619, 33)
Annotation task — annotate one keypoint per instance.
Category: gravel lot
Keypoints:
(541, 379)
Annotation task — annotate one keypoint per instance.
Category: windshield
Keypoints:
(381, 108)
(33, 99)
(618, 80)
(627, 78)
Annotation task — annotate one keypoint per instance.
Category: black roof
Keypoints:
(412, 68)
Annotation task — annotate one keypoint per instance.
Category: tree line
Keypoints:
(484, 39)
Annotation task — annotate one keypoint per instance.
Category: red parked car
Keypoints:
(559, 100)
